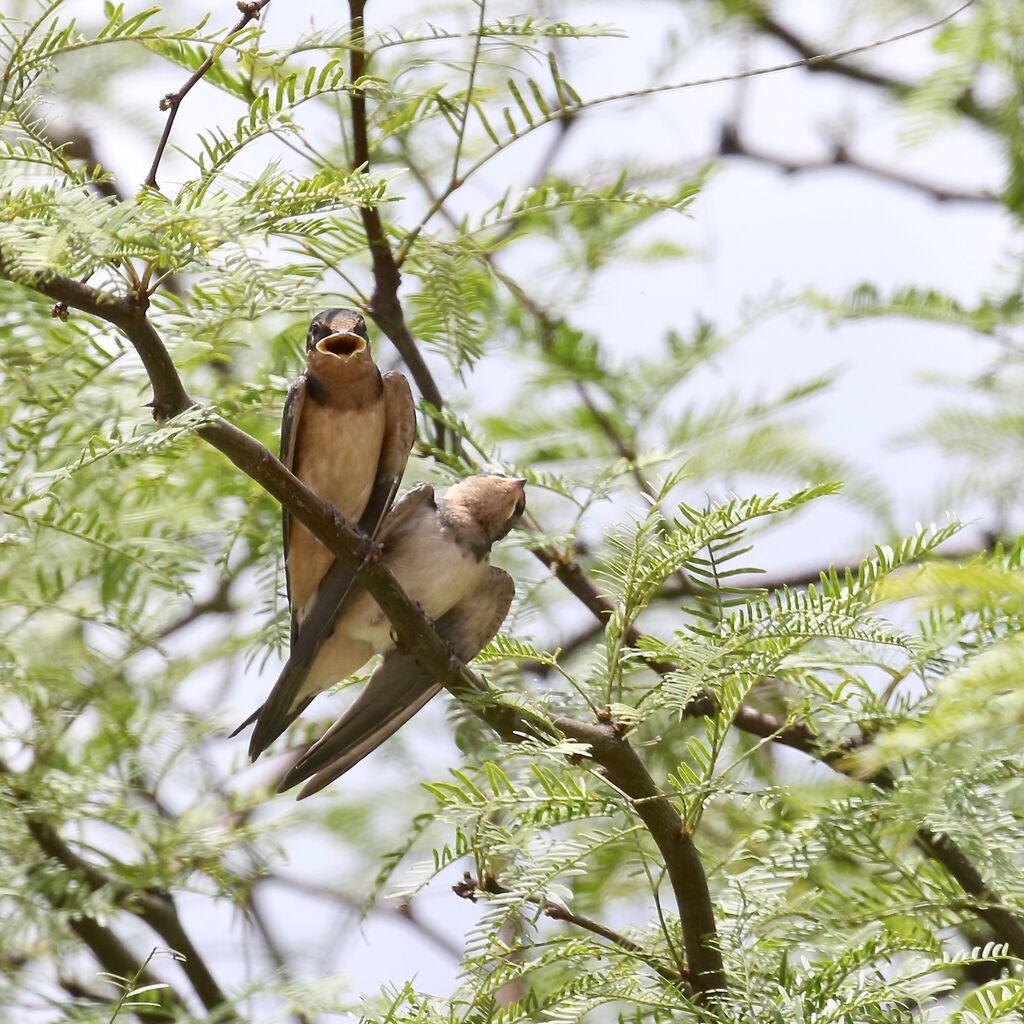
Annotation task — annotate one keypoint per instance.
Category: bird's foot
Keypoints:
(404, 648)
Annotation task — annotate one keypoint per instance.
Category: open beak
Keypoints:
(343, 344)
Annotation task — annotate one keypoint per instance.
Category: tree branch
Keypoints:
(218, 603)
(815, 59)
(416, 634)
(625, 770)
(385, 307)
(156, 909)
(414, 631)
(116, 958)
(172, 101)
(731, 144)
(469, 887)
(559, 913)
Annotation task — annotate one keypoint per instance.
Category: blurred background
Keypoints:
(840, 293)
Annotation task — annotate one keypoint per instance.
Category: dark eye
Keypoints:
(317, 331)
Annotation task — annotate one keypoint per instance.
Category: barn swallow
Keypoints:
(438, 551)
(399, 688)
(346, 433)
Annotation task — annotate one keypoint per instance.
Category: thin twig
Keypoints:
(172, 101)
(270, 944)
(468, 887)
(405, 912)
(624, 770)
(474, 63)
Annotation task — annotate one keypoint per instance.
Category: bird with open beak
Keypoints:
(346, 434)
(438, 549)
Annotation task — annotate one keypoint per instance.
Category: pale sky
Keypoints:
(758, 235)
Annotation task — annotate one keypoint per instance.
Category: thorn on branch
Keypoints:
(728, 139)
(169, 101)
(466, 889)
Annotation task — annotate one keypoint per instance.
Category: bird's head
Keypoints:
(495, 503)
(337, 337)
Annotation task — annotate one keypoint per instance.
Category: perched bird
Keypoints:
(399, 688)
(438, 550)
(346, 434)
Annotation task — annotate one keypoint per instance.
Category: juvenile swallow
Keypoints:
(438, 551)
(399, 688)
(346, 433)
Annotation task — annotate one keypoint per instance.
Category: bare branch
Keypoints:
(403, 911)
(732, 144)
(218, 603)
(385, 307)
(626, 772)
(814, 59)
(172, 101)
(559, 913)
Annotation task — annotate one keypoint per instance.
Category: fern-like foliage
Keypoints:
(838, 754)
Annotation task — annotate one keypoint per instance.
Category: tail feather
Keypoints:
(398, 691)
(252, 718)
(273, 718)
(399, 688)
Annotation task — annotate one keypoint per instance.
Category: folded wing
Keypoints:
(280, 708)
(289, 434)
(399, 688)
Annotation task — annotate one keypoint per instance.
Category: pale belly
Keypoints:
(435, 572)
(337, 460)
